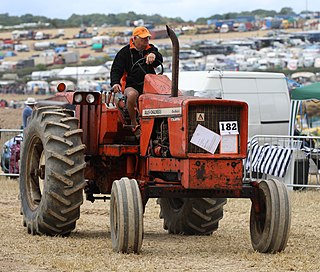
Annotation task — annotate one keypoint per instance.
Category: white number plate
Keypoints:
(228, 127)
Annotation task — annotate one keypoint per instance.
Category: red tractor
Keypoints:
(190, 156)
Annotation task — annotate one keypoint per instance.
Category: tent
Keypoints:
(311, 91)
(304, 77)
(97, 47)
(37, 87)
(60, 49)
(10, 54)
(308, 92)
(84, 72)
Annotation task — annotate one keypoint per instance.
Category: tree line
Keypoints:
(121, 19)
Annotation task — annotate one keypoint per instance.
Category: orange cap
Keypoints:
(142, 32)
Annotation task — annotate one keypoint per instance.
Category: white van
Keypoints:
(266, 93)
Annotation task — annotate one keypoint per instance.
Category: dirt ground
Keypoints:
(89, 246)
(12, 118)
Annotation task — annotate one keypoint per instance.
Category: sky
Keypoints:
(185, 9)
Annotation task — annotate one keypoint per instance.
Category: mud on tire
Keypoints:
(191, 216)
(52, 172)
(126, 216)
(270, 224)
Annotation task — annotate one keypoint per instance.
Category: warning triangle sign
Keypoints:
(200, 117)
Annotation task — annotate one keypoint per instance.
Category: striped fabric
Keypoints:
(269, 159)
(295, 104)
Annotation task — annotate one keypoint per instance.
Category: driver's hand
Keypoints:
(116, 88)
(150, 58)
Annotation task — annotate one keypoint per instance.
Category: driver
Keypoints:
(128, 80)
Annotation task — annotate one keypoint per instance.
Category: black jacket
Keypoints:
(123, 62)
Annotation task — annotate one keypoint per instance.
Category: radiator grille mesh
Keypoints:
(213, 114)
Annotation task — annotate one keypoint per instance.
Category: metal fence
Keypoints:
(10, 141)
(295, 160)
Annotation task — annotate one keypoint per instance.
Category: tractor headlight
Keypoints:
(90, 98)
(78, 98)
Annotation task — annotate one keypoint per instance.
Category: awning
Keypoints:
(307, 92)
(311, 91)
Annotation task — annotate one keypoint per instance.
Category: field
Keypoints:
(89, 247)
(12, 118)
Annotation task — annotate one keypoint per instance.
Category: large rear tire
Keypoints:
(52, 172)
(191, 216)
(126, 216)
(270, 223)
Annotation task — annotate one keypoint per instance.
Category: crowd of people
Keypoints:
(15, 88)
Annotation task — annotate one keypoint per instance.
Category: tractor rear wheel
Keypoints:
(191, 216)
(270, 222)
(126, 216)
(52, 172)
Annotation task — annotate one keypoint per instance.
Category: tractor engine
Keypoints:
(160, 140)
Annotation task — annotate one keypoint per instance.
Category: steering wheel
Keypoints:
(141, 61)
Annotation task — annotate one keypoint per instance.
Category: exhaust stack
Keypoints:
(175, 61)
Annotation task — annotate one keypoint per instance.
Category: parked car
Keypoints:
(11, 155)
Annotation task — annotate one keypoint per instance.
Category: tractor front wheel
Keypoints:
(270, 217)
(126, 216)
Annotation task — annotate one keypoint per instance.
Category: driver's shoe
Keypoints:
(136, 131)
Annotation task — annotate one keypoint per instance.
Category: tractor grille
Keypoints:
(213, 115)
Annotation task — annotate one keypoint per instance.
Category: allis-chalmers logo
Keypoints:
(162, 111)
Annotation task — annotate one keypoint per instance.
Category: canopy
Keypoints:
(84, 72)
(311, 91)
(307, 92)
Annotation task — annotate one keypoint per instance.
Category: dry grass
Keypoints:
(12, 118)
(89, 247)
